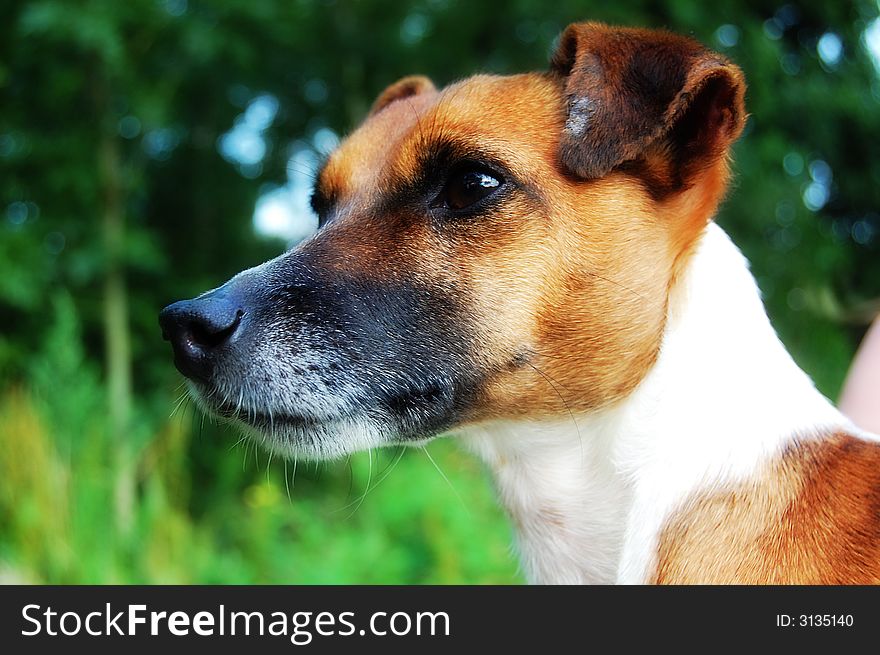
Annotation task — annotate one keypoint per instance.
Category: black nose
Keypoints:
(197, 329)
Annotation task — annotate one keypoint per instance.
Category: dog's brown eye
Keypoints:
(467, 187)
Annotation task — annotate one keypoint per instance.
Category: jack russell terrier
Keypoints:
(529, 263)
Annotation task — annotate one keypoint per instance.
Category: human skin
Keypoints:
(860, 399)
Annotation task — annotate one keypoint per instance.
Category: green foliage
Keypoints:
(156, 84)
(403, 522)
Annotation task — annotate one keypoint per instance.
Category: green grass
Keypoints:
(246, 524)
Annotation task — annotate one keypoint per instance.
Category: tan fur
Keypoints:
(568, 279)
(575, 266)
(812, 517)
(407, 87)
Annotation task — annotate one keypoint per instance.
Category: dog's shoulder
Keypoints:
(839, 502)
(811, 517)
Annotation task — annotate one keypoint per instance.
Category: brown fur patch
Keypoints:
(573, 274)
(657, 105)
(407, 87)
(813, 517)
(353, 167)
(629, 90)
(566, 279)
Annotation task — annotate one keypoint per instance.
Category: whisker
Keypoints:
(424, 449)
(350, 480)
(617, 284)
(237, 443)
(287, 482)
(367, 488)
(181, 400)
(383, 475)
(564, 402)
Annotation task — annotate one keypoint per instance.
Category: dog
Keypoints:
(529, 263)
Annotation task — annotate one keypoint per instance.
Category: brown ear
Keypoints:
(404, 88)
(629, 90)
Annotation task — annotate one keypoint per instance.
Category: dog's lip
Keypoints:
(262, 419)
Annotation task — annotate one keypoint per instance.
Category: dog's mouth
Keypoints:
(267, 421)
(263, 420)
(258, 418)
(416, 413)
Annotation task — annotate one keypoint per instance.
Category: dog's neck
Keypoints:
(589, 494)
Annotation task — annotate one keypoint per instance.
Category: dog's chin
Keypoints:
(308, 440)
(302, 437)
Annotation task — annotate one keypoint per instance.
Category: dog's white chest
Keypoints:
(565, 499)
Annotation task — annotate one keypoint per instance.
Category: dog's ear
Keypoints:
(633, 92)
(406, 87)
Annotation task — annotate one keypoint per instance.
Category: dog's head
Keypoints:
(498, 248)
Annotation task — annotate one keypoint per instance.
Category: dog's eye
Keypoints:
(467, 186)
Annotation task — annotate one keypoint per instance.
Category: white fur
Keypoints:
(590, 496)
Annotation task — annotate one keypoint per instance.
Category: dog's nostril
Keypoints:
(207, 334)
